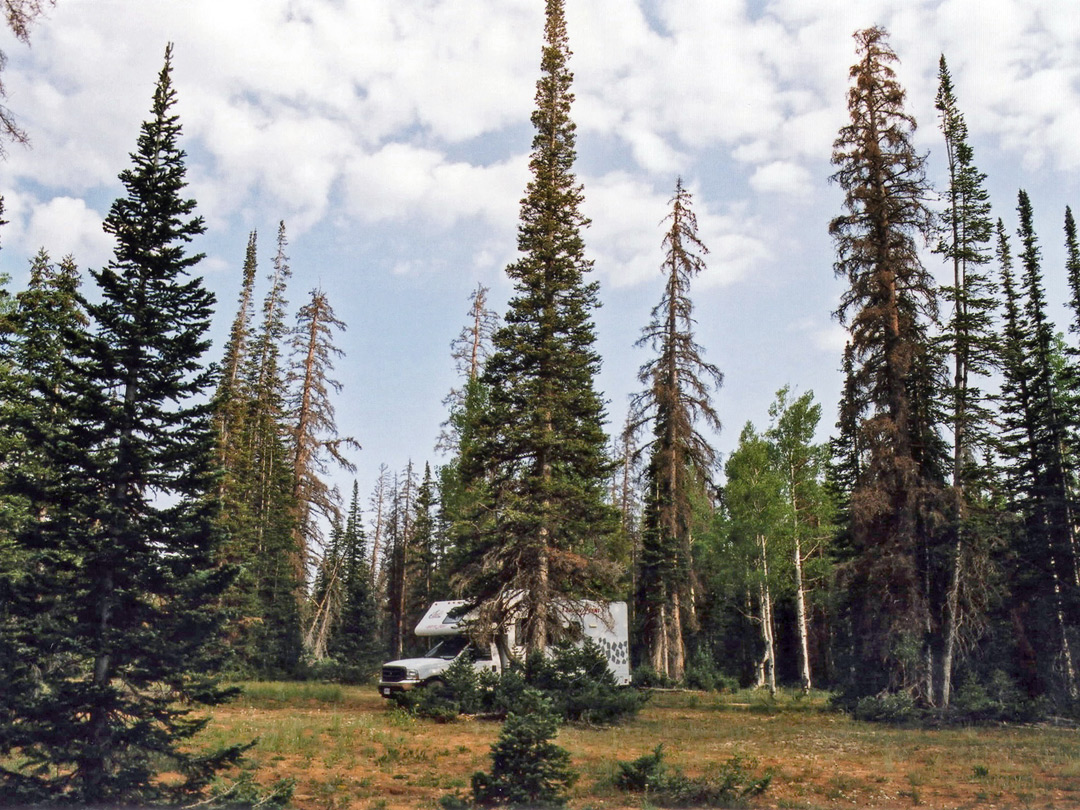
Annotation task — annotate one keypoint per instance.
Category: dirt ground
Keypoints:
(353, 753)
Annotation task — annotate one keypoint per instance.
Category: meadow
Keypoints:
(348, 750)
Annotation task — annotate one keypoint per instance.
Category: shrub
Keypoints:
(701, 673)
(463, 685)
(574, 678)
(528, 769)
(999, 700)
(731, 786)
(898, 707)
(645, 677)
(580, 685)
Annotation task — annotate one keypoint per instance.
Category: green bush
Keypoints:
(898, 707)
(576, 678)
(730, 786)
(645, 677)
(701, 673)
(527, 768)
(998, 700)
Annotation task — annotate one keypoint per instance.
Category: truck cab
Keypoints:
(450, 644)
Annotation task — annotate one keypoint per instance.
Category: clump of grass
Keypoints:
(731, 785)
(272, 694)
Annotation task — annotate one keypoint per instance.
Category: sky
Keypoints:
(392, 138)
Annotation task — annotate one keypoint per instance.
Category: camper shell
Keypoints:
(604, 623)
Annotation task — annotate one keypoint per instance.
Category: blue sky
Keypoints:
(392, 137)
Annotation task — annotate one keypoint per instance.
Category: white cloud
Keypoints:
(781, 177)
(628, 228)
(62, 226)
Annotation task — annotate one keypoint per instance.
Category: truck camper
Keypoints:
(604, 623)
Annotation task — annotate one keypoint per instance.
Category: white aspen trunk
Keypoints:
(767, 619)
(801, 618)
(1066, 651)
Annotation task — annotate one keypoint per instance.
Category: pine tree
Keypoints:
(420, 562)
(680, 458)
(970, 340)
(459, 498)
(314, 428)
(527, 768)
(541, 454)
(354, 641)
(888, 306)
(1036, 444)
(134, 531)
(399, 538)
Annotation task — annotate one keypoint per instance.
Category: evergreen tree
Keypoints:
(420, 563)
(272, 640)
(890, 302)
(680, 458)
(1036, 443)
(970, 340)
(114, 676)
(527, 768)
(541, 452)
(354, 641)
(458, 497)
(399, 538)
(314, 428)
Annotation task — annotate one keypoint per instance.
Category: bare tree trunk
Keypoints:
(767, 620)
(1066, 651)
(659, 638)
(801, 618)
(676, 645)
(952, 628)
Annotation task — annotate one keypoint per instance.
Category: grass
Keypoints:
(349, 751)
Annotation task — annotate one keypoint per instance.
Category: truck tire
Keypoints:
(434, 683)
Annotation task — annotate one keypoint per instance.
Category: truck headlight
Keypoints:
(412, 675)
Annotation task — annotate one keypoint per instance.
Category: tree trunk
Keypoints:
(801, 618)
(767, 620)
(952, 627)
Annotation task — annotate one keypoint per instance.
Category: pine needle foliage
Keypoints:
(540, 452)
(681, 460)
(528, 769)
(889, 305)
(109, 685)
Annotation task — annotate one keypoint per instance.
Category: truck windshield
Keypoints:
(448, 648)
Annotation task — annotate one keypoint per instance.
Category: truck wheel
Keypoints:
(435, 683)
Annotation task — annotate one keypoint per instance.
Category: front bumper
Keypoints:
(386, 689)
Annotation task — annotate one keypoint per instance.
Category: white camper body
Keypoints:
(605, 624)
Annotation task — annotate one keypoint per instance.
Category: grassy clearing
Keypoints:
(349, 751)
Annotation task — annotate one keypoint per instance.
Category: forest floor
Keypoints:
(348, 750)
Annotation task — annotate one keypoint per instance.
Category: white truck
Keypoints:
(605, 624)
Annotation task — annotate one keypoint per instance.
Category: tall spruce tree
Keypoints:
(890, 301)
(1037, 445)
(541, 452)
(270, 642)
(970, 340)
(680, 458)
(354, 641)
(116, 674)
